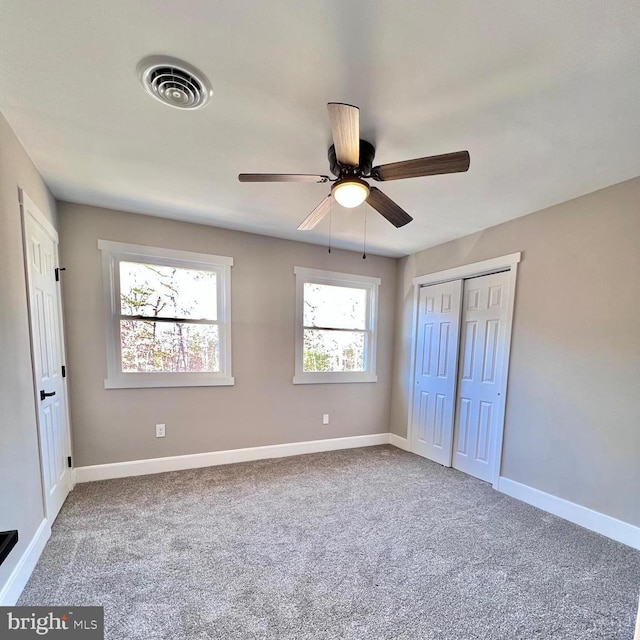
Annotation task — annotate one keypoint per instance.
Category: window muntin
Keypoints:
(336, 327)
(169, 317)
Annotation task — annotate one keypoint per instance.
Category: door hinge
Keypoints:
(58, 270)
(64, 371)
(69, 462)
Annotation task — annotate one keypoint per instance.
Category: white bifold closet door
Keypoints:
(460, 364)
(480, 375)
(436, 370)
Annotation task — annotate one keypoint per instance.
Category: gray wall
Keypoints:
(20, 489)
(263, 407)
(573, 415)
(573, 410)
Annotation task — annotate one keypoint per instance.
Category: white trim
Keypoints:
(399, 441)
(335, 278)
(338, 277)
(497, 454)
(161, 252)
(27, 204)
(112, 253)
(470, 270)
(412, 364)
(163, 380)
(636, 635)
(28, 209)
(19, 577)
(588, 518)
(215, 458)
(484, 267)
(341, 377)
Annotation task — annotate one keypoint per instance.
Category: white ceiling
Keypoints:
(544, 94)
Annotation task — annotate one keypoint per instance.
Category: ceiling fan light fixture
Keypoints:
(350, 192)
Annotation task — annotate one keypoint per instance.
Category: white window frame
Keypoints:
(115, 252)
(334, 278)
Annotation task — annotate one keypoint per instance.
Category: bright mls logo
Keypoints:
(52, 622)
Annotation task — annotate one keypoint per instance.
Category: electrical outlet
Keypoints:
(160, 431)
(325, 418)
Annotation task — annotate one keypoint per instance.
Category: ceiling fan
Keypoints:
(351, 160)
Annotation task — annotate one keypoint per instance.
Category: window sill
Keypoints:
(334, 378)
(142, 381)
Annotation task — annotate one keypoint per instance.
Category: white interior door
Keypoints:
(41, 255)
(435, 371)
(482, 363)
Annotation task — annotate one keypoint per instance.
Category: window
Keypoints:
(168, 317)
(335, 327)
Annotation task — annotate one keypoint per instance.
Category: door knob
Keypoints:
(44, 395)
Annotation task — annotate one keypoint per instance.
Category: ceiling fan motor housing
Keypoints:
(367, 153)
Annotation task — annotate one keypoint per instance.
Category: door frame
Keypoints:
(29, 208)
(508, 263)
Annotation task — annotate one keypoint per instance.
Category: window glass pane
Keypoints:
(169, 346)
(167, 292)
(333, 350)
(335, 307)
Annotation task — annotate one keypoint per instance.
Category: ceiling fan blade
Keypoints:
(432, 166)
(387, 208)
(281, 177)
(345, 129)
(316, 215)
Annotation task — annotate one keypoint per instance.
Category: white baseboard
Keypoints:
(399, 441)
(606, 525)
(595, 521)
(19, 577)
(214, 458)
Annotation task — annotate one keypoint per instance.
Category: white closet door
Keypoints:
(481, 370)
(435, 374)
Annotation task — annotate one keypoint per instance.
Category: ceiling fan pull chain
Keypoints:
(330, 211)
(364, 244)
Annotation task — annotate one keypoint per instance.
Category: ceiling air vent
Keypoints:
(174, 82)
